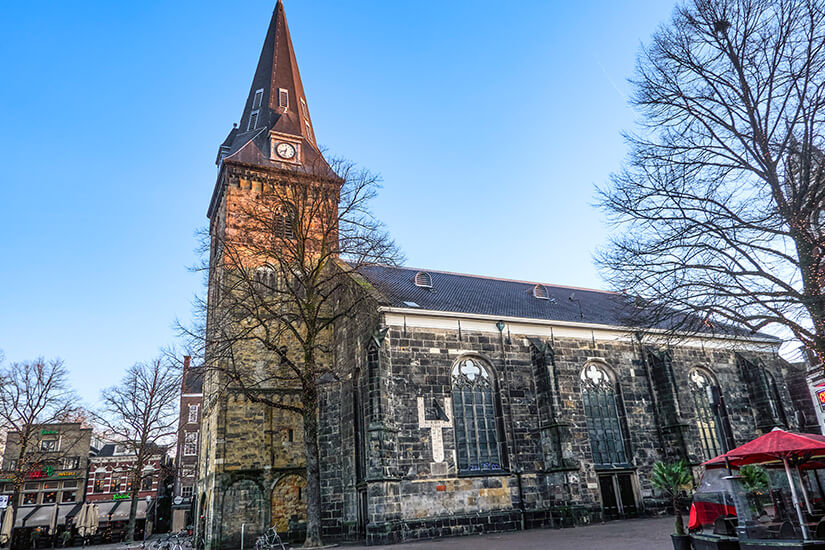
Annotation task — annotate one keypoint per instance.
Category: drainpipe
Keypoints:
(500, 326)
(243, 527)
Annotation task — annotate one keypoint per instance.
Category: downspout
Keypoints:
(514, 461)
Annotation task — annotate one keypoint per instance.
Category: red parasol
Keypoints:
(774, 445)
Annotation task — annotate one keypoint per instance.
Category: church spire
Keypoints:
(276, 98)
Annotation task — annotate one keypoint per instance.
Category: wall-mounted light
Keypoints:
(500, 326)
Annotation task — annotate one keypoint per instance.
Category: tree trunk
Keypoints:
(133, 504)
(14, 541)
(313, 488)
(679, 525)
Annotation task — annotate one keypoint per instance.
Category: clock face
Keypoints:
(285, 150)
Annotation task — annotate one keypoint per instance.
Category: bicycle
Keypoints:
(269, 540)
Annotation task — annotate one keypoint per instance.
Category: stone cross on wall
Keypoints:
(435, 426)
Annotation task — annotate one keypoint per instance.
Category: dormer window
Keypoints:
(283, 98)
(253, 121)
(540, 292)
(423, 280)
(259, 98)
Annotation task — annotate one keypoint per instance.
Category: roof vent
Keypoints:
(423, 279)
(540, 292)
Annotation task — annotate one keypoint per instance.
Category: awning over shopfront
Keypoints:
(40, 516)
(119, 510)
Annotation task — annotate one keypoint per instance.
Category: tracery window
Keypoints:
(701, 386)
(601, 407)
(474, 413)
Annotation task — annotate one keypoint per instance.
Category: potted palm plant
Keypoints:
(674, 479)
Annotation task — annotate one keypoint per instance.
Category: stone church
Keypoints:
(471, 404)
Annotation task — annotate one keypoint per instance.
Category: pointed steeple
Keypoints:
(276, 98)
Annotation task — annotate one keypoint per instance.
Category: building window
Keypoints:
(476, 424)
(193, 414)
(70, 483)
(259, 97)
(71, 463)
(48, 445)
(69, 496)
(701, 384)
(253, 121)
(98, 486)
(601, 408)
(50, 497)
(129, 485)
(190, 444)
(283, 98)
(29, 498)
(116, 485)
(146, 484)
(283, 224)
(186, 491)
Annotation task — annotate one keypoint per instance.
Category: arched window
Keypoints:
(601, 407)
(701, 388)
(474, 413)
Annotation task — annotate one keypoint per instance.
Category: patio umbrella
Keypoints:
(80, 520)
(5, 528)
(53, 519)
(776, 445)
(93, 519)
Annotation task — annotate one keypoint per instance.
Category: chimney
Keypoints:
(186, 360)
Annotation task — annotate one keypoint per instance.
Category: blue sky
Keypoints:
(490, 122)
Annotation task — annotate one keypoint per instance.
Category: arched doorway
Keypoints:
(289, 502)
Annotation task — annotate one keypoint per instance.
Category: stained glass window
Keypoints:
(474, 412)
(601, 407)
(701, 383)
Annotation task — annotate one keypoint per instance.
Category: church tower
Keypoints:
(251, 455)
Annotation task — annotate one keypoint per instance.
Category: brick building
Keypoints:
(468, 404)
(186, 457)
(109, 483)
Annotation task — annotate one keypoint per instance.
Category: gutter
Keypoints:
(559, 323)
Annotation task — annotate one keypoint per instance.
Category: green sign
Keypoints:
(48, 432)
(121, 496)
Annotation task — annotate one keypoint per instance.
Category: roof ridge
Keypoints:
(503, 279)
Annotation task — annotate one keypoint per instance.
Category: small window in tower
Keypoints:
(253, 121)
(423, 280)
(283, 98)
(304, 110)
(259, 98)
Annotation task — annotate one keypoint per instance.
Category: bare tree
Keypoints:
(719, 209)
(140, 413)
(281, 276)
(32, 394)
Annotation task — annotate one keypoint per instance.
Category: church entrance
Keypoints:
(618, 495)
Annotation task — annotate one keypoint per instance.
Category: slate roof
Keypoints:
(473, 294)
(109, 450)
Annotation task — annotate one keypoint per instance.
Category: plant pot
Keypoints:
(681, 542)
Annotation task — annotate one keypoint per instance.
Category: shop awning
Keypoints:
(40, 516)
(119, 511)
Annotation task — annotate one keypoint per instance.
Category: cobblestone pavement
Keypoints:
(632, 534)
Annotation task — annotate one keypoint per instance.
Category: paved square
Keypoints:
(633, 534)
